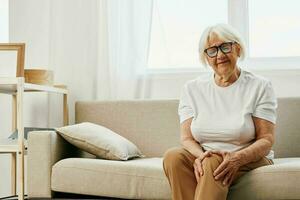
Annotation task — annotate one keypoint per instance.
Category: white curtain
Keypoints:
(123, 40)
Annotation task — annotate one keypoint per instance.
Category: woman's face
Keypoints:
(224, 64)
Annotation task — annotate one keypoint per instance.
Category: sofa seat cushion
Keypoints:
(141, 178)
(278, 181)
(144, 178)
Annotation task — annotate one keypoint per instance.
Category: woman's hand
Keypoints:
(228, 168)
(198, 171)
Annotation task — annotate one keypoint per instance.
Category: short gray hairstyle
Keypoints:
(224, 32)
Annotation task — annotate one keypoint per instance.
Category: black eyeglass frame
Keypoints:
(219, 47)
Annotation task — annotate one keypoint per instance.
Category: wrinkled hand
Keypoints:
(198, 171)
(230, 165)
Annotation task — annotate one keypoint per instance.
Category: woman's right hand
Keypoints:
(198, 171)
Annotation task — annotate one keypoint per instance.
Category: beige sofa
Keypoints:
(55, 165)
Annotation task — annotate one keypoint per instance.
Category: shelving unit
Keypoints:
(16, 87)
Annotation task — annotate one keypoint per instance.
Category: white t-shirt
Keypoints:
(222, 116)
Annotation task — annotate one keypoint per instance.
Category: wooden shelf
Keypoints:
(10, 145)
(16, 87)
(9, 86)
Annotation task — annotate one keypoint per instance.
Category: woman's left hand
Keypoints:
(230, 165)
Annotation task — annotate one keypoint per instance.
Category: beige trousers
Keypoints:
(178, 167)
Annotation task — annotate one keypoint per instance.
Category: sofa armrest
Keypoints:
(45, 148)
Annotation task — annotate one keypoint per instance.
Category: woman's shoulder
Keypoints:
(199, 81)
(255, 79)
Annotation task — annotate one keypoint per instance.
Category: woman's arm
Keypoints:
(264, 131)
(187, 140)
(232, 161)
(191, 145)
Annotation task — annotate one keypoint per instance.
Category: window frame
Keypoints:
(238, 17)
(240, 20)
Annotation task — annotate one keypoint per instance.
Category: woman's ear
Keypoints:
(238, 50)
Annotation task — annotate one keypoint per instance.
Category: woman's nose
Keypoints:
(220, 53)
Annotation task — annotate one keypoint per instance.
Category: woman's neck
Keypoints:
(225, 81)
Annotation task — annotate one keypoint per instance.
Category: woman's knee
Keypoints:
(174, 157)
(210, 164)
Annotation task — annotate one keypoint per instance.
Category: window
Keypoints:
(269, 27)
(3, 20)
(176, 29)
(274, 28)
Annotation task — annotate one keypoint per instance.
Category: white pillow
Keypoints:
(100, 141)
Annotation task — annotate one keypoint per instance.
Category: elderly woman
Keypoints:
(227, 122)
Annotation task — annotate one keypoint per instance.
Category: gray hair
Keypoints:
(224, 32)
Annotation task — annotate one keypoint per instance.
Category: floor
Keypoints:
(66, 196)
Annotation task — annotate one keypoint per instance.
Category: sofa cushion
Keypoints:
(144, 178)
(278, 181)
(153, 126)
(99, 141)
(141, 178)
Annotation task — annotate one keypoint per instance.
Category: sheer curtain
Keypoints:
(123, 43)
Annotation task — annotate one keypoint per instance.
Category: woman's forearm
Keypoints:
(193, 147)
(255, 151)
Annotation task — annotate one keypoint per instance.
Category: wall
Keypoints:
(30, 25)
(73, 52)
(58, 37)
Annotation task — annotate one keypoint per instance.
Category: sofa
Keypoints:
(54, 165)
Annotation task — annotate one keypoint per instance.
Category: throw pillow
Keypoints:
(99, 141)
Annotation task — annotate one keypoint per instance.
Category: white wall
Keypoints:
(58, 37)
(62, 36)
(73, 51)
(30, 25)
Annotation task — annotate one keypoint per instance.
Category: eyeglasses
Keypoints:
(225, 47)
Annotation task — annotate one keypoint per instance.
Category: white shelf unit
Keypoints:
(16, 87)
